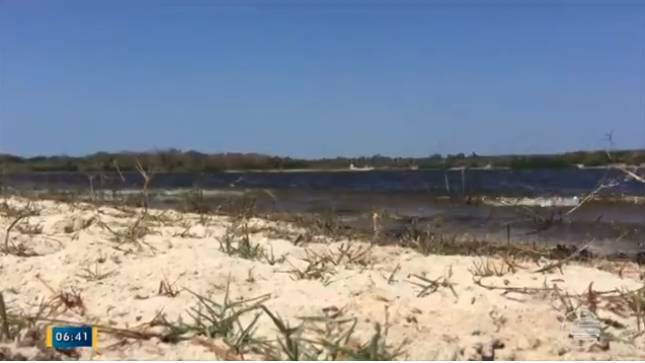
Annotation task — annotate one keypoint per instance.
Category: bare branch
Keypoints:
(146, 183)
(558, 264)
(118, 170)
(141, 170)
(633, 175)
(6, 237)
(591, 195)
(4, 333)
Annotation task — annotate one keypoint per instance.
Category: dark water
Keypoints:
(539, 182)
(436, 200)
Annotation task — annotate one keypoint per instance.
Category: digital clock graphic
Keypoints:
(70, 337)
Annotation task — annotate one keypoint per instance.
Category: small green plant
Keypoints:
(328, 337)
(185, 233)
(375, 349)
(236, 241)
(331, 333)
(427, 242)
(319, 267)
(271, 259)
(194, 202)
(313, 271)
(133, 233)
(214, 319)
(222, 320)
(95, 274)
(486, 267)
(348, 253)
(290, 341)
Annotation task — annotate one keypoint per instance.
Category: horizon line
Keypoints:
(185, 151)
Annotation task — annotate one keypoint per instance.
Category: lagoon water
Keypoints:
(532, 183)
(480, 202)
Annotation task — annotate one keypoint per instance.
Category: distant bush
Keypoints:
(537, 162)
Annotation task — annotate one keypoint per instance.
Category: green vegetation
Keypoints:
(237, 242)
(191, 161)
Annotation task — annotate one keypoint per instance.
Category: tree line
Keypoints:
(173, 160)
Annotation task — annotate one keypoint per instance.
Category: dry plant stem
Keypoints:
(6, 237)
(561, 262)
(4, 333)
(589, 196)
(488, 267)
(390, 280)
(118, 170)
(533, 290)
(90, 179)
(94, 275)
(167, 289)
(430, 286)
(51, 289)
(507, 289)
(146, 183)
(635, 176)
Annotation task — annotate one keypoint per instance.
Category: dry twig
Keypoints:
(4, 333)
(147, 178)
(561, 262)
(6, 237)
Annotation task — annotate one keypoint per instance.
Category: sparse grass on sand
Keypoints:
(172, 285)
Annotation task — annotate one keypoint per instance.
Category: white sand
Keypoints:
(438, 326)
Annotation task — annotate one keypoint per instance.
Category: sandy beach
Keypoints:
(143, 277)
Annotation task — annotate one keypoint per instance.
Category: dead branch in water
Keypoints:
(147, 178)
(90, 179)
(118, 170)
(592, 194)
(632, 174)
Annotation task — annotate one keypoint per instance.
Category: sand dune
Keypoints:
(114, 260)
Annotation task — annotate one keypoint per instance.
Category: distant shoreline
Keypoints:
(493, 168)
(192, 161)
(340, 170)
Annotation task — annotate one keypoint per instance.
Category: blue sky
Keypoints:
(321, 78)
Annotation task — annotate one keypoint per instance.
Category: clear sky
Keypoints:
(321, 78)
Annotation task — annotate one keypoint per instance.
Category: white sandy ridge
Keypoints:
(184, 249)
